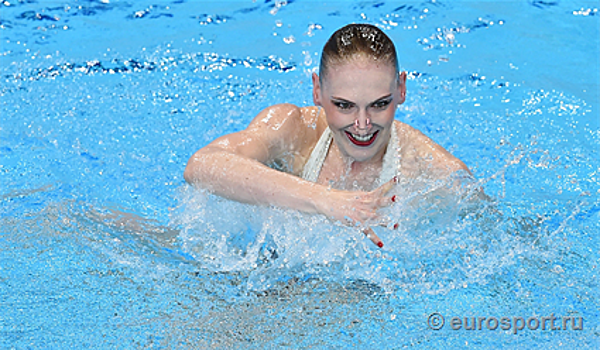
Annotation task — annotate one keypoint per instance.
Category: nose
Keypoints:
(362, 122)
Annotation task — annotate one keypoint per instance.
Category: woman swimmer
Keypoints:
(339, 159)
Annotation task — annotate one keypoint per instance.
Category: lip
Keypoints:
(362, 143)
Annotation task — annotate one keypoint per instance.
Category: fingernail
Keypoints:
(393, 198)
(395, 179)
(396, 226)
(380, 244)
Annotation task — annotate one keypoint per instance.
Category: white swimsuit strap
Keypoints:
(391, 158)
(313, 166)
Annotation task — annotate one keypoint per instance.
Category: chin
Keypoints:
(361, 155)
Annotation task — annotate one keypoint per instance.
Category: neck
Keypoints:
(355, 175)
(355, 166)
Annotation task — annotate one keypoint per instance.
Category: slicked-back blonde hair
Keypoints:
(356, 40)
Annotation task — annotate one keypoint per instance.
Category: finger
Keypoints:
(386, 187)
(383, 222)
(387, 225)
(373, 237)
(385, 201)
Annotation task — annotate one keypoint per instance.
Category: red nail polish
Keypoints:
(393, 198)
(380, 244)
(396, 226)
(395, 179)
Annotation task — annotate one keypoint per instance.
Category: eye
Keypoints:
(381, 104)
(343, 105)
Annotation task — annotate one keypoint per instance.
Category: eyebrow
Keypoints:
(384, 98)
(333, 98)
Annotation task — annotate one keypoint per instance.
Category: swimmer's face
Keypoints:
(360, 98)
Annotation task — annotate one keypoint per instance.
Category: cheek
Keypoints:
(386, 116)
(337, 119)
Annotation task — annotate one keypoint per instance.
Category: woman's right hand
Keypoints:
(358, 208)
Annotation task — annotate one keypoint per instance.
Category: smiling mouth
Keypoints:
(362, 141)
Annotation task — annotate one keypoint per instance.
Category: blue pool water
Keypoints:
(102, 245)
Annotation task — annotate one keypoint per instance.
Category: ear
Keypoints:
(402, 87)
(316, 89)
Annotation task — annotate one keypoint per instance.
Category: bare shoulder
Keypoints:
(283, 120)
(276, 116)
(282, 113)
(280, 136)
(419, 151)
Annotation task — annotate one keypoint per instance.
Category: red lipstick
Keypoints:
(362, 143)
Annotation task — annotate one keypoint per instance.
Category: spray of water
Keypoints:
(449, 235)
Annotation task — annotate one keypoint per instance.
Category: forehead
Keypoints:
(359, 79)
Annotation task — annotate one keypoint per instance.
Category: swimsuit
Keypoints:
(391, 159)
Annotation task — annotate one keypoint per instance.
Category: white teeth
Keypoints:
(362, 138)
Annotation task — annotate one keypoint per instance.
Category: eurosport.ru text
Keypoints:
(513, 324)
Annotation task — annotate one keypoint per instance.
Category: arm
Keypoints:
(243, 179)
(234, 165)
